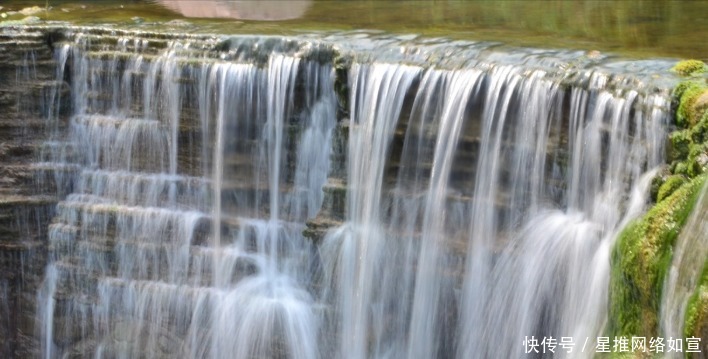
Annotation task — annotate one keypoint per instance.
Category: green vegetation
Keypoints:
(671, 184)
(680, 143)
(640, 261)
(689, 108)
(688, 146)
(689, 67)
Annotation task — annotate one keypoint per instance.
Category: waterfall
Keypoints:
(551, 278)
(524, 230)
(468, 195)
(160, 249)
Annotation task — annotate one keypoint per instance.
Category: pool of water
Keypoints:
(632, 27)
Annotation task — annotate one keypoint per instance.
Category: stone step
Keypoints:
(185, 189)
(316, 228)
(19, 215)
(81, 277)
(111, 121)
(38, 87)
(23, 261)
(8, 38)
(52, 151)
(184, 265)
(26, 201)
(17, 152)
(21, 179)
(23, 45)
(103, 213)
(181, 57)
(145, 42)
(147, 189)
(29, 125)
(100, 216)
(189, 131)
(78, 288)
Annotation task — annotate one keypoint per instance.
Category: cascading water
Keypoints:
(484, 188)
(169, 257)
(528, 201)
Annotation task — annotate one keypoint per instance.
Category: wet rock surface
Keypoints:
(27, 70)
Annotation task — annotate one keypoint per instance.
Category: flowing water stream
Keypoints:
(470, 194)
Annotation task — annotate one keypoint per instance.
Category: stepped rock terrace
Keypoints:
(343, 194)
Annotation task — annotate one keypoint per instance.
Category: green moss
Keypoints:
(687, 93)
(689, 67)
(640, 260)
(681, 168)
(681, 88)
(688, 148)
(670, 186)
(697, 159)
(680, 142)
(699, 132)
(697, 308)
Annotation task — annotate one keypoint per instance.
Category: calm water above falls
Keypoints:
(471, 193)
(631, 27)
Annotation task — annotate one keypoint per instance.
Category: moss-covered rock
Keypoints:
(659, 180)
(690, 110)
(640, 260)
(699, 132)
(688, 147)
(697, 163)
(670, 186)
(679, 145)
(689, 67)
(681, 168)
